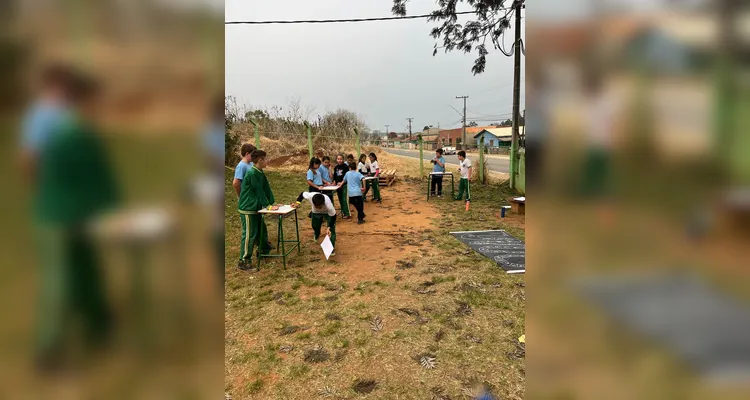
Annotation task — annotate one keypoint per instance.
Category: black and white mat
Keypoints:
(504, 249)
(708, 328)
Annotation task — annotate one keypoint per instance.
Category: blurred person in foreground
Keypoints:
(74, 183)
(597, 182)
(213, 142)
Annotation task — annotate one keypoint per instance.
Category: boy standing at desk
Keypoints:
(465, 170)
(243, 167)
(255, 195)
(436, 188)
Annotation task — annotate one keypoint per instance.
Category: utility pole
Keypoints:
(516, 96)
(409, 119)
(463, 140)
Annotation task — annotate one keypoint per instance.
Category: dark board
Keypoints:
(706, 328)
(508, 252)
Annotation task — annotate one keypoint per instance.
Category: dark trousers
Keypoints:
(317, 223)
(436, 187)
(342, 200)
(71, 286)
(359, 204)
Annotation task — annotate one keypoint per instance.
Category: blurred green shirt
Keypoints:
(255, 192)
(75, 180)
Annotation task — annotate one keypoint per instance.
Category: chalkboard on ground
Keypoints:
(508, 252)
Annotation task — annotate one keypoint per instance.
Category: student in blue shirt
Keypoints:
(243, 167)
(355, 186)
(438, 162)
(46, 116)
(325, 173)
(314, 177)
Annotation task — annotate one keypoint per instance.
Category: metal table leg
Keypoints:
(260, 238)
(429, 182)
(296, 225)
(281, 235)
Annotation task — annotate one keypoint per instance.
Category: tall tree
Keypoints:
(491, 19)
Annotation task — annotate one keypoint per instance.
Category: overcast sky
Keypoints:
(384, 71)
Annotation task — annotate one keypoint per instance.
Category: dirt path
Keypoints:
(394, 229)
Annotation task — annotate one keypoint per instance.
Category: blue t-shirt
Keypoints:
(437, 167)
(213, 140)
(353, 181)
(317, 178)
(324, 174)
(40, 123)
(242, 169)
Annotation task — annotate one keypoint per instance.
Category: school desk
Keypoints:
(443, 174)
(281, 250)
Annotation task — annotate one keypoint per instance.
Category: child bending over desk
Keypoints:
(322, 208)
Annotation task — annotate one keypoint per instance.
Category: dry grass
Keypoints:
(378, 337)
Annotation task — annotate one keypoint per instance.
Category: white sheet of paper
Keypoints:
(327, 246)
(285, 208)
(330, 187)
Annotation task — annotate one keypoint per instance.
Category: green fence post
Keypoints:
(421, 156)
(481, 159)
(309, 139)
(359, 147)
(256, 134)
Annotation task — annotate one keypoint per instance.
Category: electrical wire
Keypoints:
(330, 21)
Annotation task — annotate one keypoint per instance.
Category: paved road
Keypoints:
(501, 165)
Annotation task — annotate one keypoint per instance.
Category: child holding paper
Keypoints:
(322, 208)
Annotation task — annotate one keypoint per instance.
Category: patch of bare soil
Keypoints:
(394, 229)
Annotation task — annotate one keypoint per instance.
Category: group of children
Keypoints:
(254, 192)
(349, 180)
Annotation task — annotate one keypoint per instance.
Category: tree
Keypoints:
(491, 19)
(392, 135)
(257, 115)
(472, 123)
(507, 122)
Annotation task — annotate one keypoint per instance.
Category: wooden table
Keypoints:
(429, 183)
(281, 242)
(518, 205)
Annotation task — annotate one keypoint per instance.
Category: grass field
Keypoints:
(403, 311)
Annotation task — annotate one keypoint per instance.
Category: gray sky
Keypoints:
(383, 71)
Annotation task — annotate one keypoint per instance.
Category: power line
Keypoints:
(330, 21)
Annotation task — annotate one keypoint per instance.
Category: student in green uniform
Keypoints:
(255, 195)
(464, 169)
(75, 184)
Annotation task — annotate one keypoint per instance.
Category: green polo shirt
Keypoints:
(75, 180)
(255, 192)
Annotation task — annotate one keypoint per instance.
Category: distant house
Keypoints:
(495, 137)
(453, 137)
